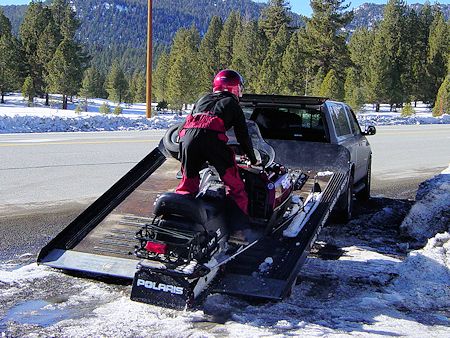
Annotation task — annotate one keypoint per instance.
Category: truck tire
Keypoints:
(345, 203)
(170, 141)
(364, 194)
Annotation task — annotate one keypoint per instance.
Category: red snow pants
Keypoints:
(198, 146)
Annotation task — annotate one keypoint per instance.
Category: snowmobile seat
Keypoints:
(187, 209)
(180, 205)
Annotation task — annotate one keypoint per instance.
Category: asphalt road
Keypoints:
(405, 156)
(48, 168)
(46, 180)
(55, 167)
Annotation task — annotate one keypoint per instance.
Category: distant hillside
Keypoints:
(368, 14)
(111, 28)
(15, 14)
(117, 28)
(125, 21)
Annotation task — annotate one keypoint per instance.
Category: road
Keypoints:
(51, 167)
(42, 169)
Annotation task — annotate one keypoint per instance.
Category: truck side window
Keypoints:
(353, 122)
(340, 120)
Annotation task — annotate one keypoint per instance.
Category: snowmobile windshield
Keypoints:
(265, 149)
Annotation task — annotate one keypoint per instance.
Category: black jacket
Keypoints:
(225, 106)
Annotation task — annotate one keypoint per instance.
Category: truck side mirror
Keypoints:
(370, 130)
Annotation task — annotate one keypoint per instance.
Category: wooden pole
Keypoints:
(149, 60)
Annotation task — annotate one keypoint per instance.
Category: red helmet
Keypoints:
(230, 81)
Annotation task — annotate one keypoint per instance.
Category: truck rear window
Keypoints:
(289, 123)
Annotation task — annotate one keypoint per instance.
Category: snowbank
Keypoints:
(424, 277)
(431, 212)
(17, 117)
(384, 117)
(56, 123)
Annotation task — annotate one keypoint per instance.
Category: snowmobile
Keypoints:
(183, 247)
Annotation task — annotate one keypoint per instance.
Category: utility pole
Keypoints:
(149, 60)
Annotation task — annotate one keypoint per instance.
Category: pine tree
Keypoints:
(10, 64)
(90, 85)
(272, 65)
(354, 93)
(138, 85)
(116, 83)
(70, 24)
(64, 71)
(28, 90)
(182, 79)
(323, 37)
(5, 24)
(316, 83)
(34, 23)
(407, 110)
(275, 16)
(292, 76)
(422, 81)
(58, 10)
(387, 63)
(226, 39)
(46, 47)
(160, 77)
(439, 46)
(209, 56)
(442, 104)
(360, 47)
(249, 53)
(332, 86)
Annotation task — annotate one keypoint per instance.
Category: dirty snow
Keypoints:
(422, 223)
(359, 280)
(17, 117)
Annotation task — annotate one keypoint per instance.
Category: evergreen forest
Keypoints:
(401, 58)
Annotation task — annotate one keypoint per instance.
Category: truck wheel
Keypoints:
(170, 141)
(345, 203)
(364, 195)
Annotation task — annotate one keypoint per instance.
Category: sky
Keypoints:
(302, 6)
(298, 6)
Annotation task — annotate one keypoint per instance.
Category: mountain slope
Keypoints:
(118, 28)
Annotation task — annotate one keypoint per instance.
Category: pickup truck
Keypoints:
(315, 158)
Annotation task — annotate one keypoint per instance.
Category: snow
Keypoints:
(17, 117)
(430, 214)
(265, 266)
(367, 291)
(423, 115)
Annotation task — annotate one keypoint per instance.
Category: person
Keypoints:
(203, 138)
